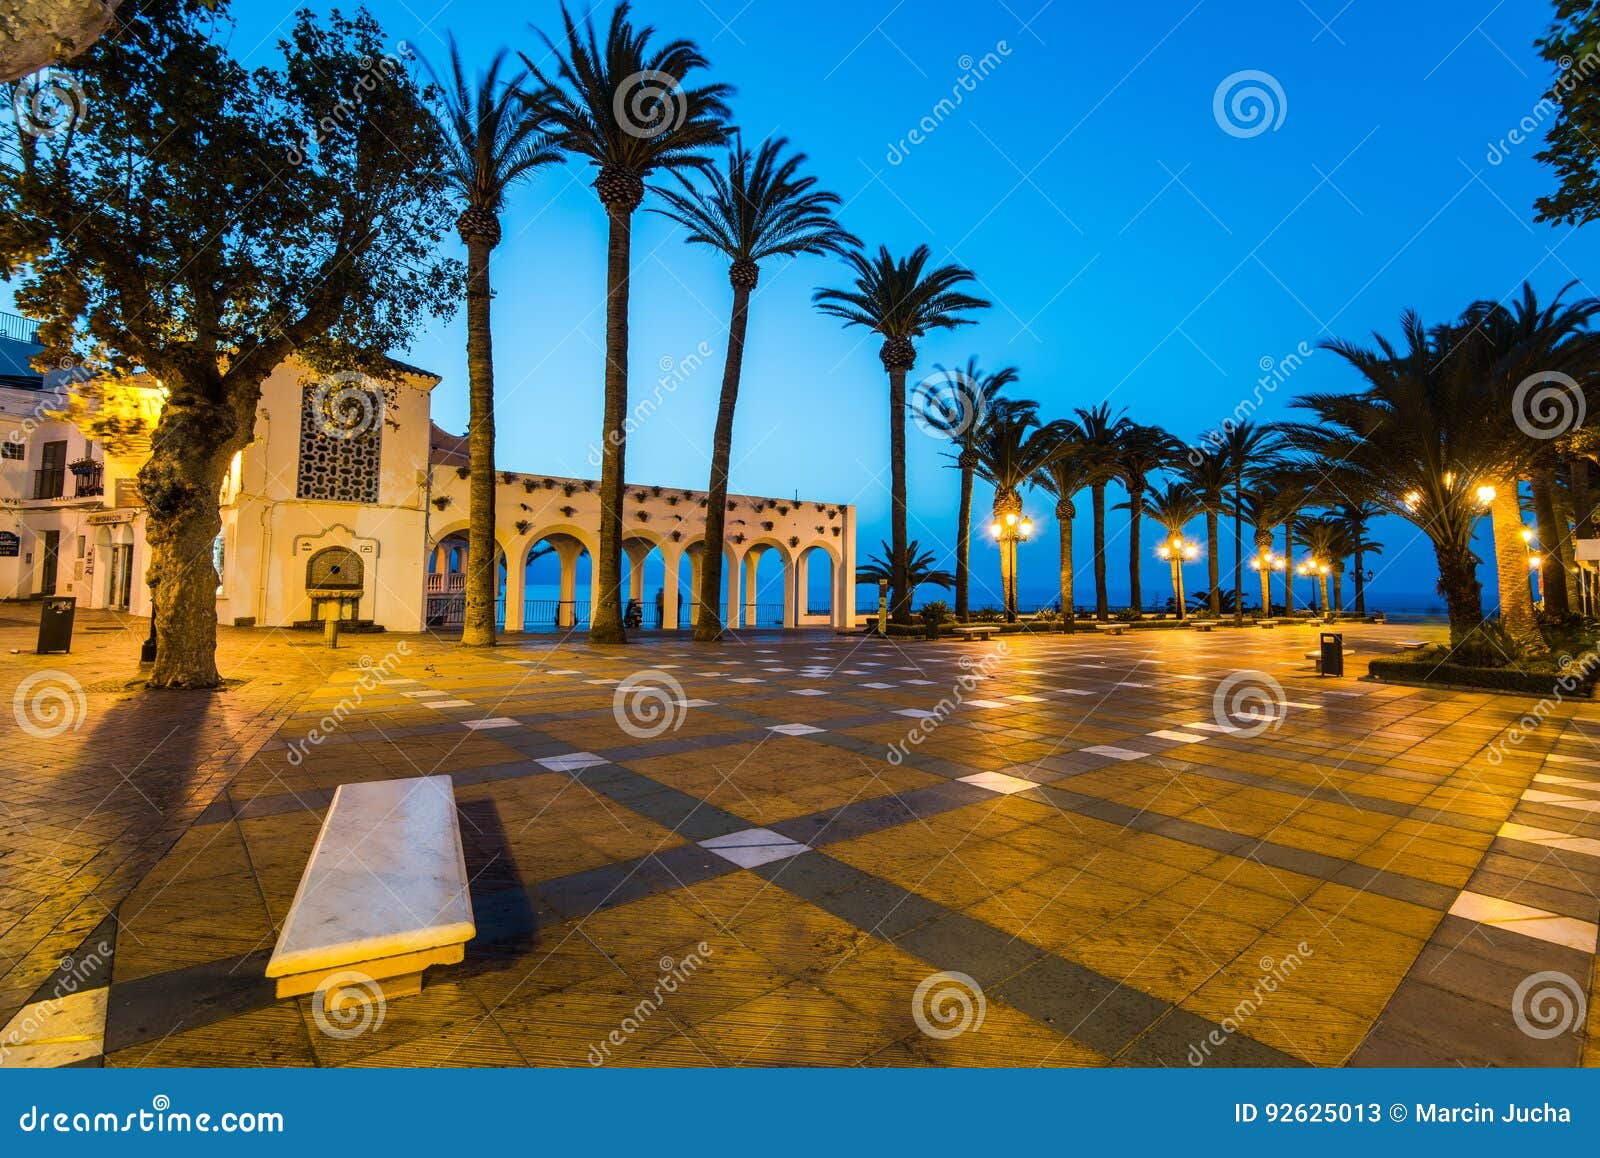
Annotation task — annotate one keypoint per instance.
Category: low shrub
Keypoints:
(1441, 665)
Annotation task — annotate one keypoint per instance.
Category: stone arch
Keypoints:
(551, 591)
(444, 567)
(769, 601)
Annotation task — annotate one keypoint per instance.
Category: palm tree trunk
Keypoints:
(1463, 594)
(1361, 580)
(1135, 511)
(605, 624)
(1263, 548)
(1065, 564)
(1338, 589)
(1511, 566)
(708, 618)
(900, 596)
(1322, 593)
(477, 629)
(1561, 502)
(1213, 564)
(963, 543)
(1102, 604)
(1288, 569)
(1238, 554)
(1551, 540)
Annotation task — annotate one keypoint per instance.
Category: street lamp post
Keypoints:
(1264, 564)
(1175, 551)
(1008, 529)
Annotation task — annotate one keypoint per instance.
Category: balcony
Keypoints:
(50, 483)
(88, 478)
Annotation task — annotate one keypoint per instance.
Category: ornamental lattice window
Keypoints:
(341, 441)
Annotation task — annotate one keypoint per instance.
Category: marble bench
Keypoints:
(1113, 628)
(384, 894)
(979, 633)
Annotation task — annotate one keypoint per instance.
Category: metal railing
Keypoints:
(89, 481)
(555, 614)
(49, 484)
(449, 612)
(766, 614)
(18, 329)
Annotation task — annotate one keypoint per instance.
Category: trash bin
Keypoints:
(1332, 662)
(55, 623)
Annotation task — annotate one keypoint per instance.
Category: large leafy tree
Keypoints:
(204, 222)
(900, 299)
(956, 403)
(1572, 141)
(1098, 442)
(625, 104)
(493, 137)
(756, 209)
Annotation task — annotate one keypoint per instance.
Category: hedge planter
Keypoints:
(1576, 682)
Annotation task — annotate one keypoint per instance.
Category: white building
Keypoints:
(351, 502)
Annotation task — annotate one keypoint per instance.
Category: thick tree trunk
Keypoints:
(1263, 548)
(1561, 504)
(35, 34)
(1238, 554)
(1361, 583)
(1288, 569)
(1213, 564)
(179, 484)
(1511, 567)
(900, 597)
(1553, 578)
(708, 620)
(1065, 564)
(605, 625)
(1135, 552)
(1102, 603)
(963, 543)
(1463, 594)
(478, 627)
(1338, 589)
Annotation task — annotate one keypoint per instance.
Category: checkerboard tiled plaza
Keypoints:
(1117, 876)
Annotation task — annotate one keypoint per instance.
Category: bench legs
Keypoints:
(383, 979)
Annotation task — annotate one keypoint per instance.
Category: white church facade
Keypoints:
(351, 502)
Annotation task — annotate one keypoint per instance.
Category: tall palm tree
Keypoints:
(1174, 506)
(900, 299)
(1012, 448)
(1419, 435)
(1507, 349)
(955, 403)
(1246, 447)
(1067, 471)
(1143, 450)
(1100, 436)
(1324, 554)
(1355, 516)
(1255, 508)
(1207, 473)
(627, 106)
(759, 208)
(493, 137)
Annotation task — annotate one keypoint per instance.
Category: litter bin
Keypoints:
(1332, 662)
(55, 623)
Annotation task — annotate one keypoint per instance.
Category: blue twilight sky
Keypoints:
(1135, 250)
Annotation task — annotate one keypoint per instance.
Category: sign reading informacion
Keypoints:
(10, 545)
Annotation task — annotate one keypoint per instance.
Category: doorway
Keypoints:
(49, 564)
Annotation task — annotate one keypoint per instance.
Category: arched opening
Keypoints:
(557, 573)
(645, 579)
(816, 585)
(689, 582)
(766, 587)
(447, 584)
